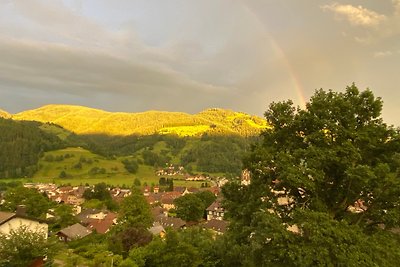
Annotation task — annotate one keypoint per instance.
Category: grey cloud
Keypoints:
(57, 69)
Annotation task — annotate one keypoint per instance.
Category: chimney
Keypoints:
(21, 210)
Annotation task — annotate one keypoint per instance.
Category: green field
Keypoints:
(115, 173)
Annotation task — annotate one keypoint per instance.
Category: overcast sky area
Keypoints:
(189, 55)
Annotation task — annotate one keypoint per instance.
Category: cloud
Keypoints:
(383, 54)
(386, 53)
(356, 15)
(54, 69)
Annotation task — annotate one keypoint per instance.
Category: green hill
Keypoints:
(76, 165)
(84, 120)
(4, 114)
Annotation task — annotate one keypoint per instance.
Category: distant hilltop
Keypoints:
(84, 120)
(4, 114)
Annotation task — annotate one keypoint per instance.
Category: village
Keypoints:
(91, 220)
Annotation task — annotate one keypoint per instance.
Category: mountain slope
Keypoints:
(4, 114)
(84, 120)
(21, 145)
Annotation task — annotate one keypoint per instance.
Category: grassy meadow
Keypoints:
(114, 174)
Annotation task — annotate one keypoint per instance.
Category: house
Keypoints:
(167, 199)
(73, 232)
(10, 221)
(215, 211)
(182, 190)
(158, 212)
(175, 223)
(157, 229)
(102, 225)
(72, 199)
(119, 194)
(86, 214)
(217, 226)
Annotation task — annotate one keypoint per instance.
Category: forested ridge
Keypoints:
(22, 143)
(84, 120)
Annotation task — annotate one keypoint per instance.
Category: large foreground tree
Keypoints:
(329, 171)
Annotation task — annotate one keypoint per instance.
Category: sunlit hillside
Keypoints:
(84, 120)
(4, 114)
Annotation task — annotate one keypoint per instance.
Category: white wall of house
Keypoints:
(15, 223)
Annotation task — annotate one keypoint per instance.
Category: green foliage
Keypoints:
(21, 145)
(217, 154)
(64, 217)
(135, 211)
(131, 165)
(94, 204)
(321, 160)
(63, 174)
(90, 246)
(123, 240)
(100, 192)
(153, 159)
(189, 207)
(207, 197)
(137, 182)
(22, 246)
(192, 247)
(97, 170)
(5, 185)
(35, 203)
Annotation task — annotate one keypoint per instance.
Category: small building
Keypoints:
(104, 224)
(217, 226)
(74, 200)
(175, 223)
(10, 221)
(75, 231)
(157, 230)
(215, 211)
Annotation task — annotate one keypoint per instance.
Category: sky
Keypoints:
(189, 55)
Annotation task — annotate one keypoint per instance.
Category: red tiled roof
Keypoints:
(102, 226)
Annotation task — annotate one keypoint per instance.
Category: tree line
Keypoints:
(22, 143)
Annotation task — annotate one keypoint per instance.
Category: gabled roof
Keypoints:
(168, 197)
(83, 216)
(175, 223)
(102, 225)
(216, 225)
(75, 231)
(6, 216)
(216, 206)
(179, 189)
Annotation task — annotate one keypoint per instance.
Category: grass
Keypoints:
(115, 174)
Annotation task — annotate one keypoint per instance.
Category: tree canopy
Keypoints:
(36, 204)
(22, 246)
(331, 172)
(135, 211)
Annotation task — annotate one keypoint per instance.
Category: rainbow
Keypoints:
(298, 88)
(291, 72)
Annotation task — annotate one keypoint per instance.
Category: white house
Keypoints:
(12, 221)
